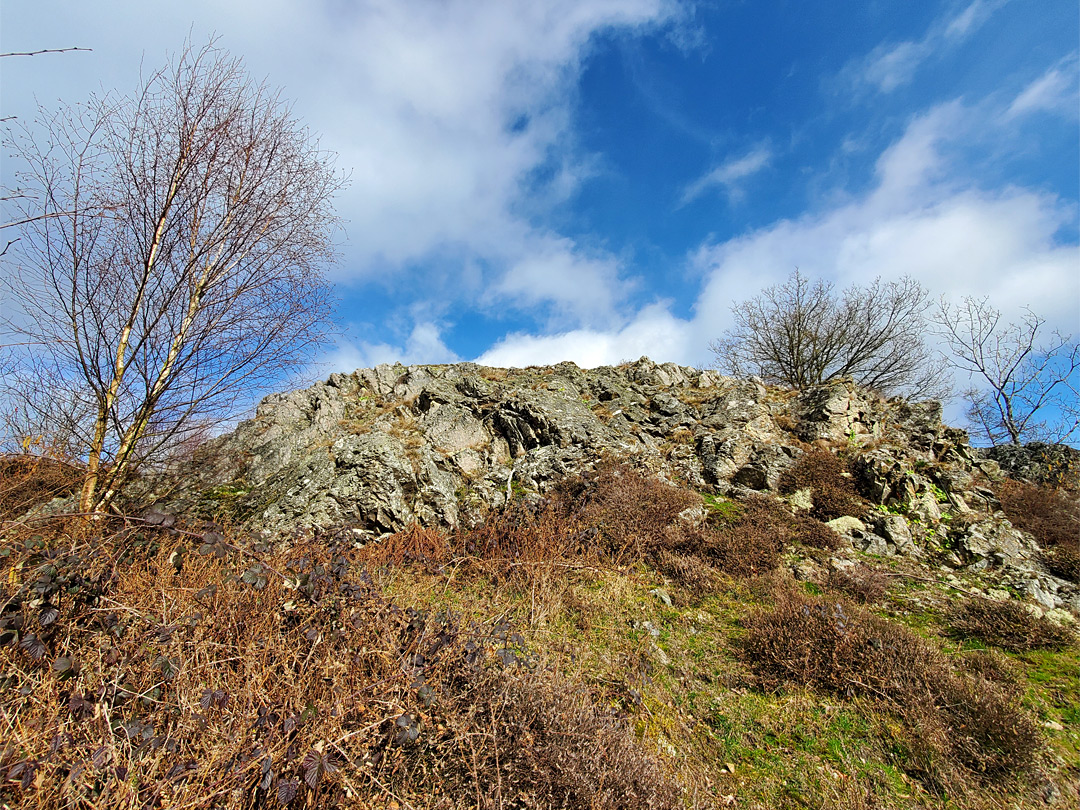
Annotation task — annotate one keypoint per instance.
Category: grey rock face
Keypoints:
(383, 447)
(1038, 462)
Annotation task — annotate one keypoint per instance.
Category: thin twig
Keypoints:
(46, 50)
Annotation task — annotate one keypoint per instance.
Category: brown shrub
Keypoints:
(747, 542)
(953, 724)
(613, 516)
(824, 474)
(416, 544)
(690, 570)
(814, 533)
(625, 511)
(27, 481)
(862, 583)
(1053, 516)
(992, 666)
(195, 670)
(1008, 625)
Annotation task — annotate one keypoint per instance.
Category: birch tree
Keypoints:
(170, 262)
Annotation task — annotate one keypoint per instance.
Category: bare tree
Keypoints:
(1029, 390)
(800, 333)
(170, 261)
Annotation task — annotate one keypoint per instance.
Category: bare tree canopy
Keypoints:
(1025, 389)
(800, 333)
(170, 262)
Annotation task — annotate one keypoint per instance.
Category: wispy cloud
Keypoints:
(923, 217)
(729, 174)
(445, 114)
(892, 65)
(1055, 92)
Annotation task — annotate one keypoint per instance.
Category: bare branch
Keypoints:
(800, 334)
(173, 251)
(46, 50)
(1028, 390)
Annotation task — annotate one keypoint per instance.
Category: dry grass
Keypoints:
(529, 662)
(29, 480)
(146, 668)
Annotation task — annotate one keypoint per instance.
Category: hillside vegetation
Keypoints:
(877, 620)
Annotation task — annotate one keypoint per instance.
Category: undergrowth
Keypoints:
(1053, 516)
(614, 644)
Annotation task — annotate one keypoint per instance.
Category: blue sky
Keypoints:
(599, 180)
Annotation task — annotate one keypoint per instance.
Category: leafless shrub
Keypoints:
(833, 492)
(955, 727)
(1008, 625)
(992, 666)
(626, 510)
(860, 582)
(747, 542)
(181, 668)
(1053, 516)
(799, 334)
(28, 480)
(814, 533)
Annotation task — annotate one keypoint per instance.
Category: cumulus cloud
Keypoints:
(441, 112)
(654, 332)
(423, 345)
(580, 287)
(919, 219)
(729, 174)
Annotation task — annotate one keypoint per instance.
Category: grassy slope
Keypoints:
(553, 671)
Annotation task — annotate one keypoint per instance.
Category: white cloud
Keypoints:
(729, 174)
(918, 220)
(964, 23)
(582, 288)
(442, 112)
(1055, 92)
(654, 332)
(892, 65)
(423, 345)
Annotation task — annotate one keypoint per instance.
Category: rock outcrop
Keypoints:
(379, 449)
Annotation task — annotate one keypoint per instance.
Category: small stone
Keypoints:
(662, 595)
(998, 594)
(801, 499)
(1060, 616)
(846, 525)
(660, 656)
(875, 544)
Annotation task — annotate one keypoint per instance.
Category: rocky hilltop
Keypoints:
(440, 445)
